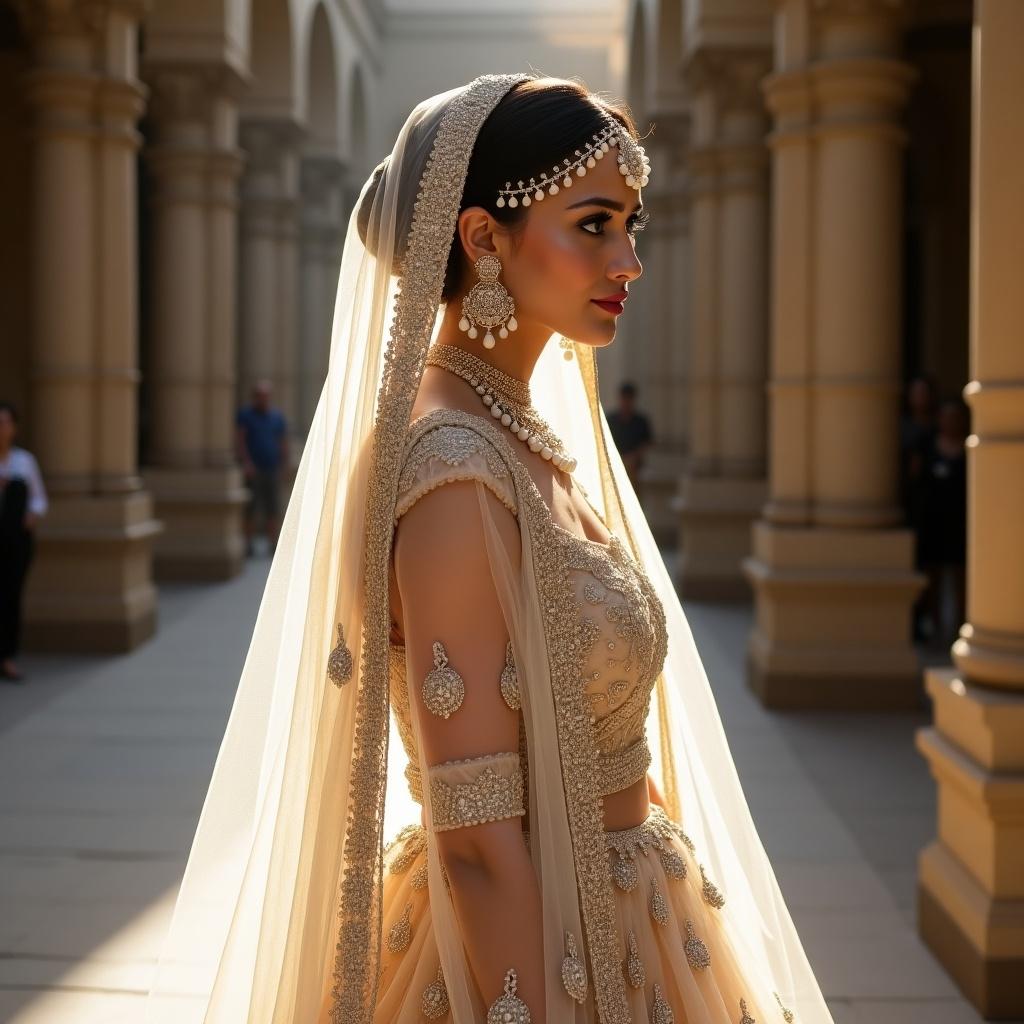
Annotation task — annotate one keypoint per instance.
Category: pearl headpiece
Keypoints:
(633, 165)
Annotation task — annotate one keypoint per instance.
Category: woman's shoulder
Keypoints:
(444, 445)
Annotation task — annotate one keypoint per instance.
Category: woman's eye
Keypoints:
(634, 227)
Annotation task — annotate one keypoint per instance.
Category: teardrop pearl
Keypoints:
(513, 323)
(489, 340)
(463, 324)
(473, 332)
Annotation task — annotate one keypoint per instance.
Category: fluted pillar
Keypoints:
(320, 261)
(194, 165)
(91, 587)
(269, 262)
(831, 565)
(971, 879)
(723, 486)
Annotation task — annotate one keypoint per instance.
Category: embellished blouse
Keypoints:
(620, 616)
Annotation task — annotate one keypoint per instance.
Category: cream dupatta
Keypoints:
(281, 899)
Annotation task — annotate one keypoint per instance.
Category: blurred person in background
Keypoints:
(261, 441)
(22, 504)
(631, 431)
(943, 524)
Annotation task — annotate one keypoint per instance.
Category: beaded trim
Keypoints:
(623, 768)
(632, 159)
(490, 796)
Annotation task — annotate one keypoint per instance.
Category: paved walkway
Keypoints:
(105, 764)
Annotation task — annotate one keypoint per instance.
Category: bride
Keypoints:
(465, 581)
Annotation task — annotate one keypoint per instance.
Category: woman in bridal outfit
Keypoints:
(474, 771)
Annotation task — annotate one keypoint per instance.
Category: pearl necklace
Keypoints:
(507, 398)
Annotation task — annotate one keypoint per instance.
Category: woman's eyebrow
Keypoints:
(611, 204)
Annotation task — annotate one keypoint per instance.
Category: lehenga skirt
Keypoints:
(679, 947)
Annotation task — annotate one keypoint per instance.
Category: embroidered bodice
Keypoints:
(619, 615)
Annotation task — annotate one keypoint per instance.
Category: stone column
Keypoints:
(971, 879)
(320, 261)
(269, 262)
(832, 566)
(661, 290)
(723, 487)
(91, 588)
(194, 166)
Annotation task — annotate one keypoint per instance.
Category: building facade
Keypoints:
(839, 214)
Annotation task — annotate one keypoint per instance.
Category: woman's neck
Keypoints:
(515, 355)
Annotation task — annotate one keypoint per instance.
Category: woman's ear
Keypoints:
(476, 233)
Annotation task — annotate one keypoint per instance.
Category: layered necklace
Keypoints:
(507, 398)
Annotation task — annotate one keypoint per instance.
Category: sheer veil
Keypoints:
(280, 905)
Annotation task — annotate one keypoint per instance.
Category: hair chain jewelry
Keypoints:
(507, 398)
(632, 159)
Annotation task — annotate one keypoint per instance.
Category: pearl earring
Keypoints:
(488, 303)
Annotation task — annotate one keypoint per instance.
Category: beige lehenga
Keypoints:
(677, 946)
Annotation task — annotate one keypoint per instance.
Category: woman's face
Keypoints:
(576, 246)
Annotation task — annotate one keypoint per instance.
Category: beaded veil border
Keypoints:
(433, 225)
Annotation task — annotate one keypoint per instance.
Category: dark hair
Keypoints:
(547, 118)
(627, 388)
(8, 407)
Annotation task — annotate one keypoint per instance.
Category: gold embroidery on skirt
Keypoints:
(697, 955)
(711, 893)
(659, 907)
(400, 934)
(746, 1018)
(661, 1012)
(634, 965)
(434, 1003)
(787, 1014)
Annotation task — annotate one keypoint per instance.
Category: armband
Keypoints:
(475, 790)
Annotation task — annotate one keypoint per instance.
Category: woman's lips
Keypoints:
(612, 307)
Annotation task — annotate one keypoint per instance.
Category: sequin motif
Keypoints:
(711, 893)
(574, 974)
(746, 1018)
(787, 1014)
(434, 1002)
(634, 965)
(443, 689)
(658, 904)
(510, 681)
(400, 933)
(697, 955)
(661, 1012)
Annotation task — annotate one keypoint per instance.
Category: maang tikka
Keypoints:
(488, 303)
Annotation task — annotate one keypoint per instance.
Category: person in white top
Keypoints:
(23, 503)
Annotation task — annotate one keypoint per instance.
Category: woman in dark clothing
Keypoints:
(22, 503)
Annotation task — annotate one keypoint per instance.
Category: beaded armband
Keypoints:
(476, 790)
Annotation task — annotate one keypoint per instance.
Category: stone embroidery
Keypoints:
(510, 681)
(443, 689)
(490, 796)
(414, 838)
(711, 893)
(658, 905)
(574, 974)
(746, 1018)
(661, 1012)
(509, 1008)
(434, 1002)
(419, 878)
(400, 933)
(697, 955)
(787, 1014)
(339, 662)
(456, 447)
(634, 965)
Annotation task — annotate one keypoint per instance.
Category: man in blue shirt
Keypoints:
(261, 440)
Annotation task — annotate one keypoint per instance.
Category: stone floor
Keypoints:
(105, 764)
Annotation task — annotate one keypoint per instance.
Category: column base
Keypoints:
(90, 588)
(978, 940)
(714, 516)
(203, 512)
(832, 626)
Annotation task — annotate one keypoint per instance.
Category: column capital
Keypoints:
(266, 139)
(733, 75)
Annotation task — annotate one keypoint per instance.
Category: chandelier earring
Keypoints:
(488, 303)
